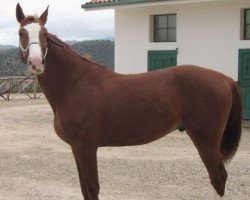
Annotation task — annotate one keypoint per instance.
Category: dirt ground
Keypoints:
(36, 165)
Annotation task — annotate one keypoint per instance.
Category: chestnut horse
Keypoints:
(96, 107)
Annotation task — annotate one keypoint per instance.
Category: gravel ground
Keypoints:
(36, 165)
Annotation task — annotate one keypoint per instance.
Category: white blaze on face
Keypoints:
(35, 57)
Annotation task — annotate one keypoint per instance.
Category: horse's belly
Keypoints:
(131, 134)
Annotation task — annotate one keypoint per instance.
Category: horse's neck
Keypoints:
(63, 70)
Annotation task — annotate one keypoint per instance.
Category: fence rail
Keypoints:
(11, 87)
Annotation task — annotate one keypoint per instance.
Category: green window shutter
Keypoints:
(161, 59)
(244, 80)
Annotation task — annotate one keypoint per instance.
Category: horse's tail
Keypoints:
(232, 133)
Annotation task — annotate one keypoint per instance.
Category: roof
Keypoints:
(112, 3)
(107, 4)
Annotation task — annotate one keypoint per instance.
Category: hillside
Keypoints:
(101, 51)
(10, 63)
(6, 47)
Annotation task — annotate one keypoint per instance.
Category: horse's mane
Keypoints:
(54, 39)
(57, 41)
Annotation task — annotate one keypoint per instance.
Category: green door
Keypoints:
(161, 59)
(244, 80)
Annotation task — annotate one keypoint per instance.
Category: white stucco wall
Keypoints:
(208, 34)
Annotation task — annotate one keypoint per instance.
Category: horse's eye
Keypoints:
(20, 34)
(45, 34)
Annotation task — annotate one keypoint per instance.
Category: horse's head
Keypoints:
(32, 40)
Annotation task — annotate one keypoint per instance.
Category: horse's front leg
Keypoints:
(86, 161)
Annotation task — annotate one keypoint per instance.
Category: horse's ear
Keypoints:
(43, 17)
(19, 13)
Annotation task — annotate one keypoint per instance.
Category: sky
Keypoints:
(66, 19)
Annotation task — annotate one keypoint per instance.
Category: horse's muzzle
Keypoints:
(36, 66)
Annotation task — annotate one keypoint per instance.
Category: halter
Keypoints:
(25, 50)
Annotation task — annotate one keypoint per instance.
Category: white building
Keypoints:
(153, 34)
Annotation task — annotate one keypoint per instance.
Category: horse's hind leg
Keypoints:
(208, 147)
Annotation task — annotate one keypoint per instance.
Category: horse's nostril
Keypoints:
(35, 65)
(35, 61)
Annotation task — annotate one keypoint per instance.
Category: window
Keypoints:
(165, 28)
(247, 24)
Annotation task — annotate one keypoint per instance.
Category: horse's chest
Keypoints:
(60, 131)
(71, 128)
(65, 130)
